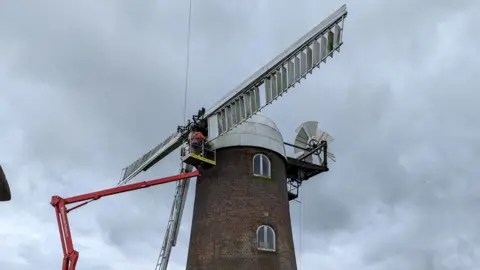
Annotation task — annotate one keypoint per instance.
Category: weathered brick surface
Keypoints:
(230, 204)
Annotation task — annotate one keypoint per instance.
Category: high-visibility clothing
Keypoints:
(197, 138)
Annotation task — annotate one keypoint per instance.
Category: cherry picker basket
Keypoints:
(204, 156)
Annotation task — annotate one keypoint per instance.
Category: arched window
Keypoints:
(261, 165)
(266, 238)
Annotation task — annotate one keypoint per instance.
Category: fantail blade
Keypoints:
(5, 194)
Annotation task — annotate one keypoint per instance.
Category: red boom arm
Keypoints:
(70, 255)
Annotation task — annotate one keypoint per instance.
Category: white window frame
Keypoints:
(266, 228)
(262, 172)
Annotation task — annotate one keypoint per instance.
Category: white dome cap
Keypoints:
(257, 131)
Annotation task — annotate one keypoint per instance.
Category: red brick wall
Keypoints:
(230, 204)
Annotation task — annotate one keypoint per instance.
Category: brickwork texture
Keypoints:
(230, 204)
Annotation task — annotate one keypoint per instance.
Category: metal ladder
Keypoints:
(173, 227)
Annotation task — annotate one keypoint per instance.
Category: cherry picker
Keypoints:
(70, 255)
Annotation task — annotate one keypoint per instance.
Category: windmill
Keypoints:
(235, 109)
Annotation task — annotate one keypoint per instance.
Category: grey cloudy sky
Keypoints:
(88, 86)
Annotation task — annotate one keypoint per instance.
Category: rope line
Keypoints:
(187, 68)
(301, 235)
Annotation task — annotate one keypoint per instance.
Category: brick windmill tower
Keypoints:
(241, 216)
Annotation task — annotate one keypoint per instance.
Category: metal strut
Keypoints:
(174, 221)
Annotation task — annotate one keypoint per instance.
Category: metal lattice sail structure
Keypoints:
(266, 85)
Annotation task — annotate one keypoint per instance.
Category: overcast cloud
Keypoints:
(88, 86)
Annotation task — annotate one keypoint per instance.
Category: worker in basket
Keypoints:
(197, 142)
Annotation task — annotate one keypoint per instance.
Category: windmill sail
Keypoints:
(259, 90)
(151, 157)
(279, 75)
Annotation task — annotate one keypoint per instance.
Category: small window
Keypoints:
(265, 238)
(261, 166)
